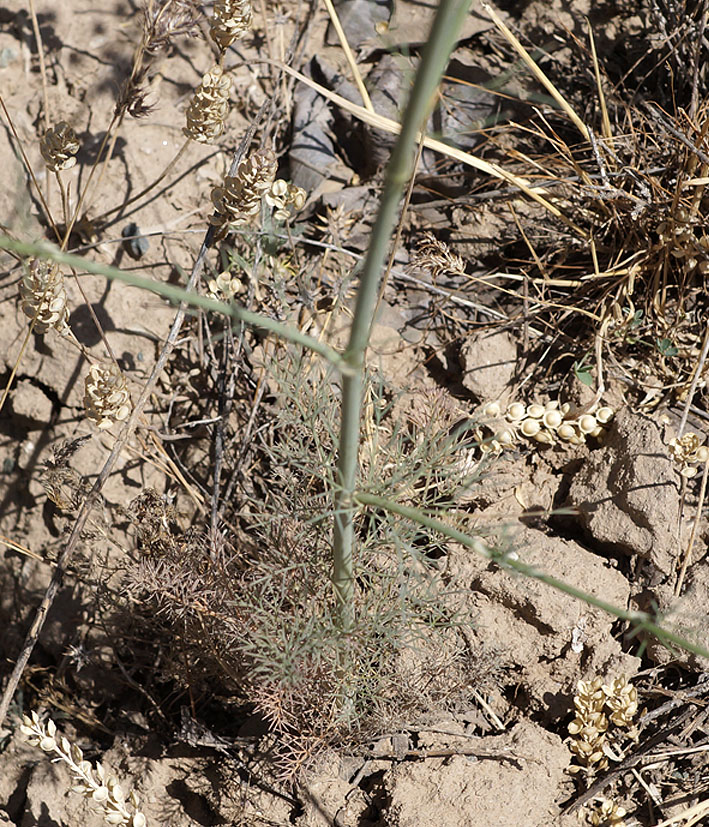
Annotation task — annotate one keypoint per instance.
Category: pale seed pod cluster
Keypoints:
(209, 107)
(106, 397)
(225, 286)
(232, 19)
(545, 424)
(59, 146)
(238, 200)
(598, 706)
(43, 297)
(91, 782)
(588, 729)
(282, 195)
(607, 813)
(688, 452)
(690, 250)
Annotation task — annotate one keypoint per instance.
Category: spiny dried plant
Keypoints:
(231, 20)
(238, 199)
(44, 297)
(59, 146)
(106, 396)
(92, 782)
(209, 107)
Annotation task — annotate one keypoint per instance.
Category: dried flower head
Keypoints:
(225, 286)
(106, 397)
(164, 20)
(434, 255)
(58, 146)
(91, 782)
(239, 198)
(209, 107)
(688, 452)
(607, 814)
(232, 19)
(44, 297)
(281, 195)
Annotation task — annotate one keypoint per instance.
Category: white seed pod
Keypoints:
(604, 414)
(552, 405)
(565, 408)
(577, 439)
(530, 427)
(566, 431)
(689, 471)
(587, 423)
(535, 411)
(552, 419)
(515, 411)
(545, 437)
(492, 409)
(505, 438)
(702, 453)
(598, 431)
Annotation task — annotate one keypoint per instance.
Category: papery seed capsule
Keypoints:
(597, 431)
(535, 411)
(552, 405)
(689, 471)
(566, 431)
(604, 414)
(544, 437)
(702, 453)
(515, 411)
(505, 438)
(552, 419)
(530, 427)
(492, 409)
(587, 423)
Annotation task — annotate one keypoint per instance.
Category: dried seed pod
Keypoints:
(106, 397)
(702, 453)
(604, 414)
(530, 427)
(58, 146)
(544, 437)
(44, 297)
(492, 409)
(535, 411)
(566, 431)
(505, 438)
(282, 195)
(587, 423)
(239, 197)
(515, 411)
(232, 19)
(598, 431)
(209, 107)
(552, 419)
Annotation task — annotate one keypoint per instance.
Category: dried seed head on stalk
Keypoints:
(58, 146)
(44, 296)
(232, 19)
(106, 397)
(209, 107)
(239, 197)
(89, 781)
(164, 20)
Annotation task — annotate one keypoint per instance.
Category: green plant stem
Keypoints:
(446, 25)
(177, 295)
(639, 620)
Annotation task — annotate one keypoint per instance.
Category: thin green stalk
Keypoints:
(639, 620)
(446, 25)
(177, 295)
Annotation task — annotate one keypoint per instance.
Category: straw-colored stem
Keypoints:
(447, 23)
